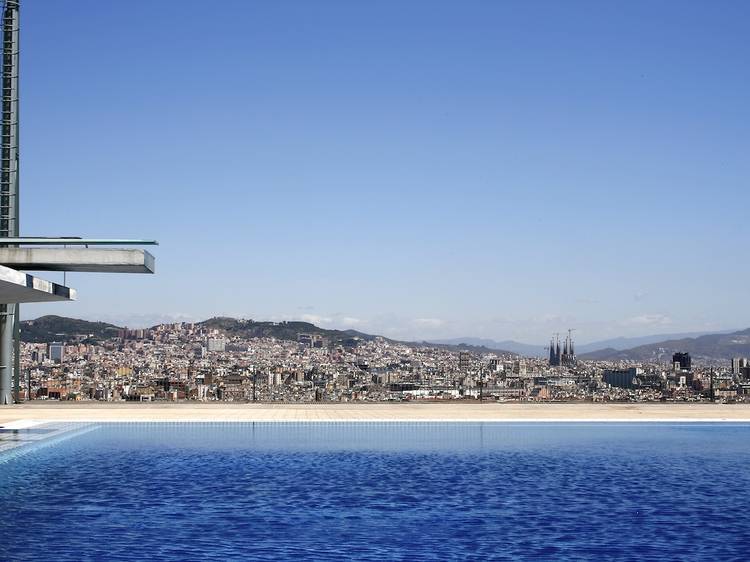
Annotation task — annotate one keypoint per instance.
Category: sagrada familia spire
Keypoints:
(565, 357)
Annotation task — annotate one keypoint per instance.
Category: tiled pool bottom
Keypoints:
(389, 491)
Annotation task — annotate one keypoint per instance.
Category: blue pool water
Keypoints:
(379, 492)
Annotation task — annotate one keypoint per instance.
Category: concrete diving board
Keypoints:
(16, 286)
(95, 260)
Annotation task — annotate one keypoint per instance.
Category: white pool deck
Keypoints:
(26, 415)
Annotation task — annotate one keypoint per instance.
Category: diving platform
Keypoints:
(17, 287)
(92, 260)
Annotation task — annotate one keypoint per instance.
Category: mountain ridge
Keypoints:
(616, 344)
(50, 328)
(716, 345)
(722, 346)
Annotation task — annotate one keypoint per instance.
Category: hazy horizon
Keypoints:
(423, 170)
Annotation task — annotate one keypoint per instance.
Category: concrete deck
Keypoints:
(110, 260)
(446, 412)
(16, 286)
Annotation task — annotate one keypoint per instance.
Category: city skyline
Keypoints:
(504, 171)
(230, 360)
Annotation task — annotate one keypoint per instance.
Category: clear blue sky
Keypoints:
(417, 169)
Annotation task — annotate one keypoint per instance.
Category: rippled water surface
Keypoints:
(380, 492)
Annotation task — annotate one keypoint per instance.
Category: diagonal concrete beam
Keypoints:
(96, 260)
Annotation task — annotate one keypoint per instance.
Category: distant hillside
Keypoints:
(711, 346)
(508, 347)
(637, 341)
(606, 354)
(288, 331)
(51, 328)
(59, 328)
(280, 330)
(505, 346)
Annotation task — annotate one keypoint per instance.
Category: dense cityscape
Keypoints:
(197, 362)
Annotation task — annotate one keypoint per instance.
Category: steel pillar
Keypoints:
(9, 317)
(6, 356)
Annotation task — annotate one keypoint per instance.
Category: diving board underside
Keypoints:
(92, 260)
(17, 287)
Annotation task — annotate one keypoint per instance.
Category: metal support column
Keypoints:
(9, 187)
(17, 353)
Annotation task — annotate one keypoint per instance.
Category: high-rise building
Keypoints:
(739, 363)
(217, 344)
(57, 352)
(519, 367)
(464, 358)
(681, 361)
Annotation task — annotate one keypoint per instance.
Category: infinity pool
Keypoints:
(389, 491)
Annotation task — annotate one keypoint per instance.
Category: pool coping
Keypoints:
(28, 415)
